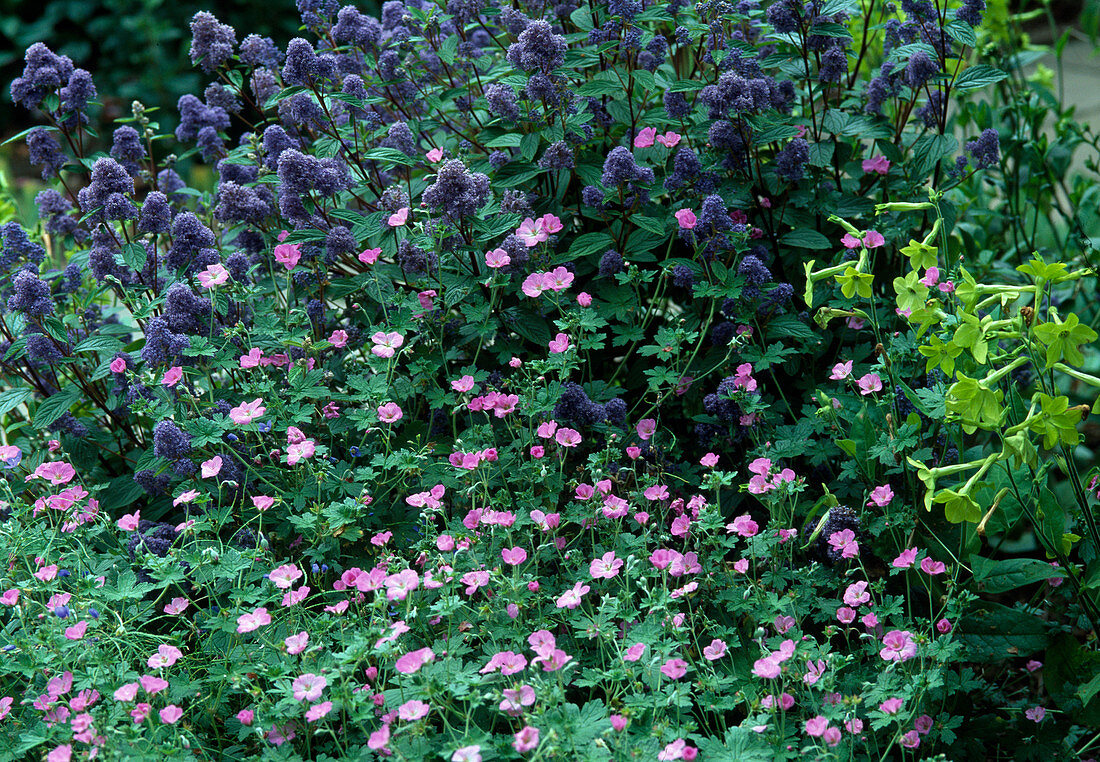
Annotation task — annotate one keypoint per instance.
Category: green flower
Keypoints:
(1064, 339)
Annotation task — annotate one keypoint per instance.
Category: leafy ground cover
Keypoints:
(631, 381)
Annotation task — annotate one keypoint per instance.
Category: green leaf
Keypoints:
(508, 140)
(13, 398)
(590, 243)
(977, 77)
(652, 224)
(391, 155)
(98, 344)
(56, 406)
(804, 238)
(998, 632)
(597, 87)
(529, 145)
(929, 150)
(1011, 573)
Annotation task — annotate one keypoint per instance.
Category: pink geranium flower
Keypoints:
(531, 233)
(526, 739)
(246, 412)
(571, 598)
(390, 413)
(285, 576)
(497, 258)
(674, 669)
(716, 650)
(56, 472)
(434, 155)
(550, 223)
(410, 662)
(898, 645)
(176, 607)
(881, 496)
(568, 437)
(412, 710)
(605, 567)
(398, 218)
(559, 344)
(165, 656)
(879, 165)
(76, 632)
(338, 339)
(870, 383)
(172, 376)
(252, 359)
(129, 522)
(253, 620)
(907, 558)
(645, 137)
(646, 428)
(288, 254)
(10, 597)
(669, 140)
(308, 687)
(317, 711)
(928, 566)
(212, 467)
(369, 256)
(386, 344)
(841, 371)
(686, 218)
(213, 275)
(296, 452)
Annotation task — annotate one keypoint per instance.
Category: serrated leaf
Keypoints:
(98, 344)
(590, 243)
(13, 398)
(977, 77)
(805, 238)
(56, 406)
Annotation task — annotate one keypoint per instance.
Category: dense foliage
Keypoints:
(581, 381)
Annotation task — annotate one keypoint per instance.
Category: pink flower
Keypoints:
(845, 615)
(646, 428)
(813, 672)
(514, 556)
(605, 567)
(841, 371)
(656, 492)
(467, 754)
(674, 669)
(931, 276)
(844, 542)
(152, 684)
(1036, 714)
(389, 413)
(379, 739)
(816, 726)
(531, 233)
(856, 594)
(526, 739)
(165, 656)
(129, 522)
(464, 384)
(262, 502)
(1033, 665)
(944, 626)
(288, 254)
(412, 710)
(246, 412)
(398, 218)
(567, 437)
(911, 739)
(928, 566)
(285, 576)
(634, 652)
(308, 687)
(881, 496)
(338, 339)
(317, 711)
(907, 558)
(245, 716)
(410, 662)
(497, 258)
(434, 155)
(386, 344)
(710, 460)
(559, 344)
(716, 650)
(127, 692)
(46, 573)
(10, 597)
(170, 714)
(783, 623)
(296, 452)
(369, 256)
(571, 598)
(557, 279)
(879, 165)
(584, 299)
(212, 467)
(686, 218)
(252, 359)
(550, 223)
(898, 645)
(62, 753)
(645, 137)
(213, 275)
(118, 365)
(56, 472)
(172, 376)
(253, 621)
(873, 239)
(534, 284)
(891, 705)
(869, 383)
(850, 241)
(76, 632)
(295, 644)
(669, 140)
(744, 526)
(618, 722)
